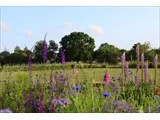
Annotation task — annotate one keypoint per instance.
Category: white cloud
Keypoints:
(68, 25)
(5, 27)
(29, 33)
(95, 30)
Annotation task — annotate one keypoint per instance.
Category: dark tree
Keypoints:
(78, 46)
(52, 49)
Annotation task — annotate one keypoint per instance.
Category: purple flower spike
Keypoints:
(62, 57)
(137, 50)
(44, 51)
(142, 58)
(123, 58)
(156, 61)
(30, 68)
(5, 111)
(146, 70)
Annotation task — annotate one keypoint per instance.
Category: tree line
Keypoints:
(77, 46)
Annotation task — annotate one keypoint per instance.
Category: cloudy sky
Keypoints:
(120, 26)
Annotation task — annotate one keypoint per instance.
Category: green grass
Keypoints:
(98, 74)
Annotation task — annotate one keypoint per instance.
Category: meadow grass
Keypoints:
(98, 74)
(89, 99)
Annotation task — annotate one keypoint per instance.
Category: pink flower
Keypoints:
(107, 78)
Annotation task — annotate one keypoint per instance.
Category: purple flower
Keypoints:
(65, 102)
(123, 58)
(142, 58)
(40, 106)
(78, 88)
(31, 98)
(137, 50)
(156, 61)
(30, 68)
(62, 57)
(56, 101)
(158, 107)
(106, 94)
(5, 111)
(116, 103)
(44, 51)
(51, 108)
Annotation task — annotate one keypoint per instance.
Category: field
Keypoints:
(83, 93)
(97, 74)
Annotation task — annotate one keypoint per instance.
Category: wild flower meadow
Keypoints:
(58, 94)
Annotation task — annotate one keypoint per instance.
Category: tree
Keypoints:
(78, 46)
(144, 48)
(16, 58)
(52, 49)
(3, 56)
(149, 55)
(17, 50)
(107, 53)
(38, 51)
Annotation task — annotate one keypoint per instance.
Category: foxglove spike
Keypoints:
(156, 61)
(137, 50)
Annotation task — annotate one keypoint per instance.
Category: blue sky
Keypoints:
(120, 26)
